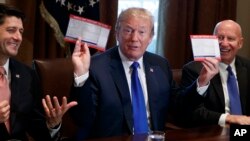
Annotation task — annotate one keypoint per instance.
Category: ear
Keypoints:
(117, 34)
(150, 40)
(241, 42)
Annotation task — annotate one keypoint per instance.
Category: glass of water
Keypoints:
(156, 136)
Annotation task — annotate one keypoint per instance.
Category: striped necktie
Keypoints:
(4, 91)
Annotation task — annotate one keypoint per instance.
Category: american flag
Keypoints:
(56, 13)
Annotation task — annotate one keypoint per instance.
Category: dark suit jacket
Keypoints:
(209, 108)
(26, 115)
(104, 105)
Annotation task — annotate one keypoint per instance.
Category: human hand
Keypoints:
(209, 70)
(54, 111)
(238, 119)
(4, 111)
(81, 58)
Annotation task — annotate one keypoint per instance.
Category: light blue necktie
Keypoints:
(139, 108)
(234, 97)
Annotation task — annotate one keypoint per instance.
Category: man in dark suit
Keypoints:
(103, 91)
(22, 112)
(214, 105)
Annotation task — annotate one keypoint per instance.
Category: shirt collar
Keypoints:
(128, 62)
(6, 67)
(224, 66)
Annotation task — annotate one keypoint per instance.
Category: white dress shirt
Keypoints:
(80, 80)
(223, 75)
(141, 74)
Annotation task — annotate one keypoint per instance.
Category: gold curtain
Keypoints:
(48, 46)
(39, 41)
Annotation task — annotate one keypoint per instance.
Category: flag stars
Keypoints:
(62, 2)
(80, 10)
(92, 3)
(77, 7)
(69, 5)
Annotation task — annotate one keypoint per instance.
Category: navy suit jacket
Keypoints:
(209, 108)
(26, 113)
(104, 105)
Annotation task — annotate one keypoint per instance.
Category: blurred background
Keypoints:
(46, 23)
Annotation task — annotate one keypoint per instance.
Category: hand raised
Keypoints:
(209, 70)
(81, 58)
(54, 111)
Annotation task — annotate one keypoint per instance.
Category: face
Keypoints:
(230, 40)
(134, 36)
(10, 36)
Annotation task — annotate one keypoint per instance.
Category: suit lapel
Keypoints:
(216, 82)
(242, 76)
(215, 87)
(4, 133)
(15, 93)
(152, 84)
(122, 87)
(149, 72)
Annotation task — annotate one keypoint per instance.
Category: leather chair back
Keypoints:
(170, 124)
(177, 75)
(56, 78)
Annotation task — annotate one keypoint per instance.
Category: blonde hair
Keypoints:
(136, 12)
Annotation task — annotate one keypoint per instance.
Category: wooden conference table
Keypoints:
(209, 133)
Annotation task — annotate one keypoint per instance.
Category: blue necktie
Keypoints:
(139, 108)
(234, 97)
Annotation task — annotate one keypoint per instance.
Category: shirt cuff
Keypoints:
(53, 131)
(222, 120)
(80, 80)
(201, 90)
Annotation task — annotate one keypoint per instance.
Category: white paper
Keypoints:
(205, 46)
(94, 33)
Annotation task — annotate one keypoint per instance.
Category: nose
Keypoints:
(224, 42)
(17, 36)
(135, 36)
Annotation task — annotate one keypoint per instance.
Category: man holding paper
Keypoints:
(225, 99)
(126, 90)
